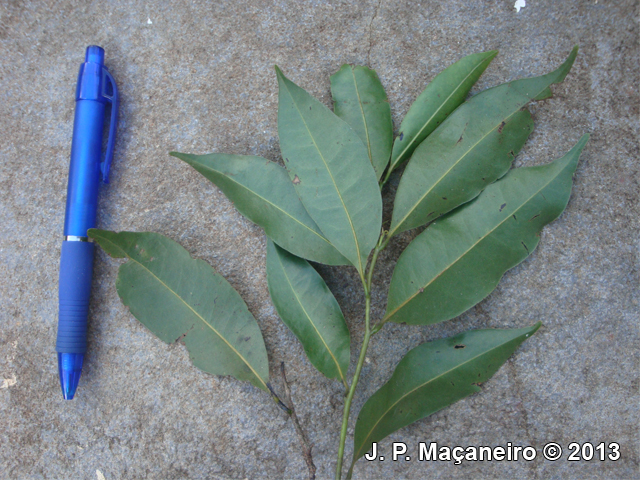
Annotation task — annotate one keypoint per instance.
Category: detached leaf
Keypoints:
(433, 376)
(472, 148)
(307, 306)
(178, 297)
(262, 191)
(460, 259)
(441, 97)
(360, 100)
(331, 172)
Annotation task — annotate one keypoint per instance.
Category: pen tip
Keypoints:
(69, 368)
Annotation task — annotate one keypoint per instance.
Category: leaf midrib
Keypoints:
(513, 212)
(153, 275)
(455, 164)
(399, 157)
(267, 201)
(424, 384)
(344, 207)
(295, 294)
(364, 118)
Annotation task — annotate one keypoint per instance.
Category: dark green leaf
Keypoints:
(331, 172)
(459, 260)
(262, 191)
(431, 377)
(309, 309)
(472, 148)
(360, 100)
(441, 97)
(178, 297)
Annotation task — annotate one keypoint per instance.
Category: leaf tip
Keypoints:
(534, 328)
(572, 56)
(181, 156)
(563, 70)
(583, 140)
(573, 155)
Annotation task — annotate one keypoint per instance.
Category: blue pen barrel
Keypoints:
(86, 153)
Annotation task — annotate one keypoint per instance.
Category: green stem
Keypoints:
(352, 390)
(363, 352)
(386, 177)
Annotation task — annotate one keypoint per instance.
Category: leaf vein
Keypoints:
(199, 316)
(353, 231)
(422, 385)
(394, 311)
(416, 204)
(295, 294)
(435, 113)
(270, 203)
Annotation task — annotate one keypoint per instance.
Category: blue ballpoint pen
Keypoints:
(96, 88)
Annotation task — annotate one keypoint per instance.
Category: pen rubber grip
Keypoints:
(76, 268)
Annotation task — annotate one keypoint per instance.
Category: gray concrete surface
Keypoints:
(199, 77)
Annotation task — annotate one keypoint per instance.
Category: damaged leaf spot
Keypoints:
(296, 180)
(501, 127)
(502, 206)
(525, 247)
(401, 136)
(535, 216)
(459, 346)
(181, 337)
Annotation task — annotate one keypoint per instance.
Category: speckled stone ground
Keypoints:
(199, 78)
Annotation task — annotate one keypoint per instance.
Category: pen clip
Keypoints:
(110, 93)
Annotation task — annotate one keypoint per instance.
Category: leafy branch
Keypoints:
(482, 218)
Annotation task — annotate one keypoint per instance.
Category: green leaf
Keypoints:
(459, 260)
(472, 148)
(433, 376)
(178, 297)
(331, 172)
(310, 310)
(441, 97)
(360, 100)
(262, 191)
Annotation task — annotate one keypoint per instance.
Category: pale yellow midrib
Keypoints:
(353, 231)
(295, 294)
(435, 113)
(426, 383)
(364, 118)
(393, 312)
(458, 161)
(267, 201)
(195, 313)
(417, 204)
